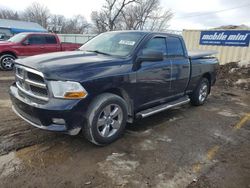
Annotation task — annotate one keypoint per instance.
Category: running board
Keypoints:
(162, 107)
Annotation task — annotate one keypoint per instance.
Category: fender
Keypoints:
(9, 50)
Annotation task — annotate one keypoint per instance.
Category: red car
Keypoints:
(28, 44)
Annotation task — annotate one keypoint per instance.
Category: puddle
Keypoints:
(9, 164)
(119, 168)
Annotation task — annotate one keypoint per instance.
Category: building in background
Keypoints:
(8, 28)
(232, 43)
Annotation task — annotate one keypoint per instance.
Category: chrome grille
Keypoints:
(31, 83)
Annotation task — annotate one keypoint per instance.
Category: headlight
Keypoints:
(67, 90)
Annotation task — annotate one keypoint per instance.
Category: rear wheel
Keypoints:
(106, 119)
(7, 62)
(200, 94)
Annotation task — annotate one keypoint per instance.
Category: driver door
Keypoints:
(153, 79)
(33, 45)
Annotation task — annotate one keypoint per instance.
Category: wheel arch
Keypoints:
(124, 95)
(209, 77)
(8, 53)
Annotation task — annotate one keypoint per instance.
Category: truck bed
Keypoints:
(196, 54)
(66, 46)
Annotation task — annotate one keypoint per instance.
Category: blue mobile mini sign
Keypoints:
(225, 38)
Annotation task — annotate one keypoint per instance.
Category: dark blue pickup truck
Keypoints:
(111, 80)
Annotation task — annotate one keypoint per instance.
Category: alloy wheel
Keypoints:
(7, 63)
(203, 92)
(109, 120)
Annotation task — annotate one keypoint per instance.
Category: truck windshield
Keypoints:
(113, 43)
(18, 37)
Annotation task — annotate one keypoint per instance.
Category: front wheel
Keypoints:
(200, 94)
(7, 62)
(106, 119)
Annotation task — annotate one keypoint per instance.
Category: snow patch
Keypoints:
(8, 164)
(5, 103)
(147, 145)
(118, 168)
(227, 113)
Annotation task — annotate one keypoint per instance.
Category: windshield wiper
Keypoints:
(98, 52)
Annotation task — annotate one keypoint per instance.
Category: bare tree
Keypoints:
(146, 15)
(9, 14)
(56, 19)
(57, 23)
(131, 15)
(99, 22)
(76, 25)
(37, 13)
(159, 21)
(107, 18)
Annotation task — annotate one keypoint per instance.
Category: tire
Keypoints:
(102, 127)
(201, 92)
(6, 62)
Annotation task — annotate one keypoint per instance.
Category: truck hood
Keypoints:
(6, 43)
(74, 65)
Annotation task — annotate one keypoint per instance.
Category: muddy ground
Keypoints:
(207, 146)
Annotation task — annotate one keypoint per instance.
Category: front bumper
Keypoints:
(42, 115)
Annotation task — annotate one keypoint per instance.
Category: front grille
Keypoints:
(35, 77)
(39, 91)
(31, 83)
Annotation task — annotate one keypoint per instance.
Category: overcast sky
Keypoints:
(189, 14)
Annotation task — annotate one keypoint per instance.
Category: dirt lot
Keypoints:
(207, 146)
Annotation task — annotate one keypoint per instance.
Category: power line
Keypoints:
(215, 12)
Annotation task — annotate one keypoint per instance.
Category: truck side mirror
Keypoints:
(26, 43)
(148, 56)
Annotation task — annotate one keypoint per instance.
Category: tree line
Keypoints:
(114, 15)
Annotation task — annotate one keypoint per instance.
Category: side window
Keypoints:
(2, 36)
(174, 47)
(156, 44)
(50, 40)
(36, 40)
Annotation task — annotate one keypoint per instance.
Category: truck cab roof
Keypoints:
(147, 32)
